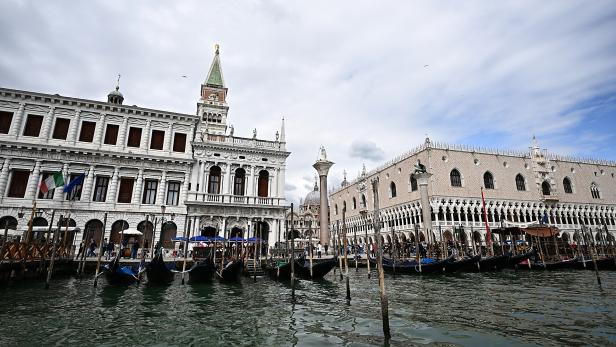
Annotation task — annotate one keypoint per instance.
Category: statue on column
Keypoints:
(254, 133)
(419, 167)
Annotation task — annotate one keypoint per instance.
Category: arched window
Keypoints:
(520, 184)
(363, 201)
(488, 180)
(344, 206)
(456, 178)
(239, 182)
(335, 208)
(545, 188)
(213, 183)
(392, 190)
(567, 185)
(413, 183)
(263, 183)
(354, 203)
(594, 191)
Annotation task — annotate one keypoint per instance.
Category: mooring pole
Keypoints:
(367, 250)
(346, 260)
(379, 260)
(100, 249)
(254, 263)
(338, 241)
(292, 256)
(187, 225)
(592, 256)
(53, 253)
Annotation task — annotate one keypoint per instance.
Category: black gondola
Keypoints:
(158, 272)
(411, 267)
(602, 264)
(518, 258)
(319, 268)
(494, 263)
(552, 265)
(231, 271)
(119, 275)
(278, 270)
(464, 264)
(201, 271)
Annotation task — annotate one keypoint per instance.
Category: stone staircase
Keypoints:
(249, 268)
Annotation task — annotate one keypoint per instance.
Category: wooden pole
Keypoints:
(367, 245)
(444, 246)
(292, 256)
(338, 242)
(379, 260)
(48, 242)
(82, 261)
(187, 225)
(254, 263)
(53, 252)
(594, 261)
(310, 251)
(346, 260)
(355, 248)
(417, 253)
(393, 249)
(100, 249)
(65, 237)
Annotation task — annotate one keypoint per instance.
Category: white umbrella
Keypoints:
(131, 231)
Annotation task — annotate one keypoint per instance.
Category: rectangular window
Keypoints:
(179, 142)
(173, 193)
(100, 189)
(149, 192)
(19, 182)
(87, 131)
(134, 137)
(111, 134)
(157, 140)
(75, 194)
(125, 194)
(33, 125)
(61, 129)
(49, 194)
(5, 121)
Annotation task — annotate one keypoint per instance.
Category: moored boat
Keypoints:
(520, 257)
(278, 269)
(320, 268)
(201, 271)
(231, 271)
(464, 264)
(605, 263)
(158, 272)
(494, 263)
(119, 275)
(412, 267)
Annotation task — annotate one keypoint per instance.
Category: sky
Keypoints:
(368, 80)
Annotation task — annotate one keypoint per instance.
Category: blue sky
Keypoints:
(366, 79)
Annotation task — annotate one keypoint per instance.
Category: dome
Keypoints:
(314, 197)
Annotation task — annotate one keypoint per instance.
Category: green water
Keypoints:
(492, 309)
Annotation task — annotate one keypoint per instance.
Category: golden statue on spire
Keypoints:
(216, 48)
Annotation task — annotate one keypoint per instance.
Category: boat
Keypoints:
(464, 264)
(231, 271)
(119, 275)
(320, 268)
(278, 269)
(605, 263)
(158, 272)
(411, 267)
(201, 271)
(520, 257)
(550, 265)
(494, 263)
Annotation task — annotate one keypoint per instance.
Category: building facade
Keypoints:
(135, 161)
(520, 188)
(306, 219)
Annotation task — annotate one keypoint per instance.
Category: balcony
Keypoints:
(196, 197)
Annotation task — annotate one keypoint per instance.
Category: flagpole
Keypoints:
(485, 218)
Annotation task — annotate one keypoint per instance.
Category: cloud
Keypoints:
(497, 72)
(288, 187)
(367, 150)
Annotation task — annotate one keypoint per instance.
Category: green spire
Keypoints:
(214, 77)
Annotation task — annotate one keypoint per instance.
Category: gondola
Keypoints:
(552, 265)
(119, 275)
(201, 271)
(518, 258)
(411, 267)
(464, 264)
(319, 268)
(606, 263)
(278, 270)
(231, 271)
(158, 272)
(494, 263)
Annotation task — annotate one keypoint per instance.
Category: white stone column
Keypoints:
(281, 178)
(422, 181)
(145, 138)
(162, 188)
(122, 135)
(72, 130)
(33, 181)
(58, 194)
(4, 176)
(225, 180)
(98, 130)
(184, 189)
(113, 187)
(18, 120)
(86, 194)
(136, 198)
(167, 143)
(322, 166)
(47, 124)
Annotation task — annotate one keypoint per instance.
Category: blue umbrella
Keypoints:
(199, 238)
(179, 238)
(237, 239)
(217, 239)
(254, 239)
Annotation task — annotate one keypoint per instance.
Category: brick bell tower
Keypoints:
(212, 106)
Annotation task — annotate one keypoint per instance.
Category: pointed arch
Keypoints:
(567, 187)
(488, 180)
(456, 178)
(520, 183)
(392, 190)
(413, 183)
(546, 189)
(213, 184)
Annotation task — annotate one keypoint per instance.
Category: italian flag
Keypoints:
(52, 182)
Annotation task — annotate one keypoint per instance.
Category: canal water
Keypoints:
(491, 309)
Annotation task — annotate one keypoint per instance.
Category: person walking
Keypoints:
(135, 249)
(106, 250)
(319, 250)
(92, 248)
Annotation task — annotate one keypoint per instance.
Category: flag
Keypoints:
(52, 182)
(74, 183)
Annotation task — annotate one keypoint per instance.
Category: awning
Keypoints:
(542, 231)
(131, 231)
(179, 239)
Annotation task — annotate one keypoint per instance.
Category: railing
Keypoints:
(245, 142)
(234, 199)
(21, 251)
